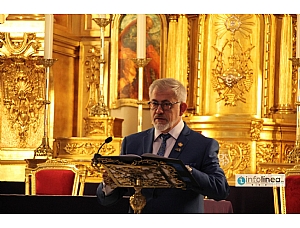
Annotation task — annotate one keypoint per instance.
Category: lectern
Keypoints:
(146, 171)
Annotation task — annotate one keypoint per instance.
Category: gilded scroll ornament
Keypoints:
(232, 74)
(234, 157)
(293, 156)
(272, 170)
(25, 46)
(255, 129)
(267, 153)
(88, 149)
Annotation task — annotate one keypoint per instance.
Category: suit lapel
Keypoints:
(148, 140)
(181, 142)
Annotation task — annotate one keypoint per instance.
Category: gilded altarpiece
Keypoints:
(242, 90)
(235, 88)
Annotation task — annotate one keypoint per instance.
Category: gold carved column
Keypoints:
(171, 47)
(177, 48)
(285, 66)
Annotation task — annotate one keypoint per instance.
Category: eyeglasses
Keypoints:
(153, 105)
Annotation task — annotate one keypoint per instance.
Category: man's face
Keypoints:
(165, 120)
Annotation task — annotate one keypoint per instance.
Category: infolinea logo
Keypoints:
(259, 180)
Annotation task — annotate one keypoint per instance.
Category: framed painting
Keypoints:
(124, 74)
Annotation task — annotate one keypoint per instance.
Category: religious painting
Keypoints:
(127, 44)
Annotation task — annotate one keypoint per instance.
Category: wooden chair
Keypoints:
(290, 194)
(55, 177)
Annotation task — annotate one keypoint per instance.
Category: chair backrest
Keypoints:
(57, 177)
(290, 194)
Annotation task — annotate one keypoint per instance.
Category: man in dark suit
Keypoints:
(199, 154)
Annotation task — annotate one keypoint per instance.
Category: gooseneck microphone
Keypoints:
(108, 140)
(97, 155)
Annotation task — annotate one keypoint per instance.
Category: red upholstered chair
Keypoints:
(56, 177)
(290, 194)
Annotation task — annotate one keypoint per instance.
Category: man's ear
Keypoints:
(183, 108)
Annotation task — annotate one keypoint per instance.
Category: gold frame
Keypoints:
(56, 164)
(113, 96)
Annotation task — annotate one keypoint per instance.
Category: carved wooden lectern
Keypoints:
(146, 171)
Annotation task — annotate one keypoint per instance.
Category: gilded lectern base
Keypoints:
(137, 201)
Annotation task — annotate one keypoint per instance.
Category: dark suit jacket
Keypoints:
(197, 151)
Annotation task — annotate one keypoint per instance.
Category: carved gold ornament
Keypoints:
(22, 79)
(232, 75)
(267, 153)
(256, 128)
(88, 149)
(23, 95)
(234, 158)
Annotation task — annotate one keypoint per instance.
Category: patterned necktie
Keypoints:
(162, 148)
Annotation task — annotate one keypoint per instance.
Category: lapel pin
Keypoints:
(179, 148)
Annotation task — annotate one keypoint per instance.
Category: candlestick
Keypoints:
(141, 63)
(44, 150)
(141, 36)
(100, 109)
(48, 40)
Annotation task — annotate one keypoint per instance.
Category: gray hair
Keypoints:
(170, 83)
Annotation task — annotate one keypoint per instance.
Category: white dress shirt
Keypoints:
(175, 132)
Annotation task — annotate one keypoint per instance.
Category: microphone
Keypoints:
(108, 140)
(97, 155)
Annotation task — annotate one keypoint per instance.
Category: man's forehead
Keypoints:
(167, 92)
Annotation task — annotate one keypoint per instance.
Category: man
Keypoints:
(199, 153)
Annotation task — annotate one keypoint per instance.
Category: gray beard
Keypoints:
(161, 127)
